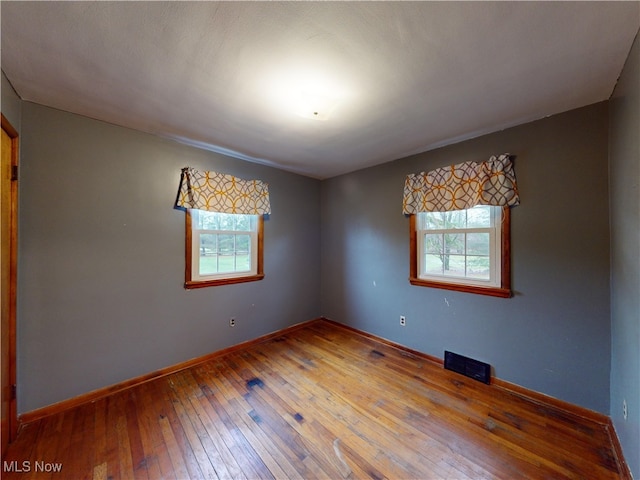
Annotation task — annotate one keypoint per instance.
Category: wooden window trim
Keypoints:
(191, 284)
(504, 291)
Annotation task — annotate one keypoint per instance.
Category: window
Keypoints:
(464, 250)
(223, 248)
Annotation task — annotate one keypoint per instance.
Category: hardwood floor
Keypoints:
(321, 401)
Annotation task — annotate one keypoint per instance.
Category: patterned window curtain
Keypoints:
(218, 192)
(462, 186)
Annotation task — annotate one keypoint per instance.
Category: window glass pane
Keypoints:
(224, 253)
(455, 219)
(208, 244)
(434, 220)
(243, 262)
(226, 244)
(478, 267)
(226, 263)
(454, 265)
(208, 254)
(433, 264)
(227, 221)
(476, 217)
(454, 243)
(478, 243)
(479, 217)
(243, 243)
(433, 243)
(207, 220)
(244, 223)
(208, 265)
(223, 221)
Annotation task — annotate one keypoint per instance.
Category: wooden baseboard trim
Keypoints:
(94, 395)
(389, 343)
(625, 471)
(549, 401)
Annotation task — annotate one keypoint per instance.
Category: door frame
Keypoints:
(13, 264)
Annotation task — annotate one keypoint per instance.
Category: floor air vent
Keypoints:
(467, 366)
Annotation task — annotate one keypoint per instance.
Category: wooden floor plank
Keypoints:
(192, 427)
(387, 434)
(321, 401)
(278, 461)
(154, 449)
(359, 419)
(112, 459)
(181, 437)
(99, 453)
(285, 421)
(216, 449)
(291, 409)
(244, 452)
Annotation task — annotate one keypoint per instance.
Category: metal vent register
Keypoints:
(467, 366)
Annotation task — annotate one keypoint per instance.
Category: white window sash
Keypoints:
(495, 252)
(195, 252)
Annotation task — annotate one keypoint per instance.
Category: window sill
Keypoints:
(492, 291)
(223, 281)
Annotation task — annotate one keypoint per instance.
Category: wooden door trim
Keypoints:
(13, 268)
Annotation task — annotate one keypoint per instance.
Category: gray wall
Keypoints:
(624, 157)
(101, 258)
(553, 336)
(10, 103)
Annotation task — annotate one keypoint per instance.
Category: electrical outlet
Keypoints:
(232, 322)
(624, 409)
(403, 320)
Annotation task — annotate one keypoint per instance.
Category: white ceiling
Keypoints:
(403, 77)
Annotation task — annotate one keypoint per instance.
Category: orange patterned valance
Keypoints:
(462, 186)
(219, 192)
